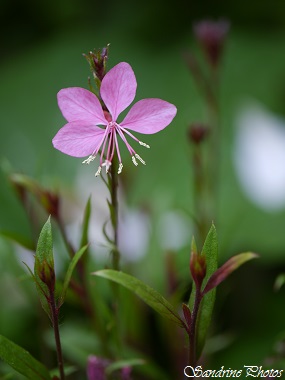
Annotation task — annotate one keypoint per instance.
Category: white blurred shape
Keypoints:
(174, 229)
(259, 157)
(133, 226)
(133, 234)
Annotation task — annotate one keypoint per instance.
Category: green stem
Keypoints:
(113, 184)
(200, 193)
(55, 325)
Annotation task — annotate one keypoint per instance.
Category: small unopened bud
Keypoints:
(46, 274)
(126, 373)
(97, 60)
(197, 268)
(50, 201)
(211, 36)
(198, 132)
(96, 368)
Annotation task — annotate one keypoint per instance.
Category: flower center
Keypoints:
(109, 144)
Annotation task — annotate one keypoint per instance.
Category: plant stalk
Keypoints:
(54, 313)
(192, 333)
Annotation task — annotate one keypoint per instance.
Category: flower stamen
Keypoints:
(120, 168)
(144, 144)
(140, 159)
(89, 159)
(134, 161)
(107, 164)
(98, 171)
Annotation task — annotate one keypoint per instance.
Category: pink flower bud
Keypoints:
(211, 36)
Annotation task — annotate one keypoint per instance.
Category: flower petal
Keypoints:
(78, 139)
(149, 116)
(118, 88)
(76, 103)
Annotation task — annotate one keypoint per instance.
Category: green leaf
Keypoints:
(22, 361)
(69, 272)
(279, 282)
(150, 296)
(19, 239)
(85, 224)
(225, 270)
(44, 265)
(210, 251)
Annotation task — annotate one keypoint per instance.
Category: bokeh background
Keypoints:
(41, 52)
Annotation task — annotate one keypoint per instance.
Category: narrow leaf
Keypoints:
(85, 224)
(22, 361)
(279, 282)
(187, 314)
(210, 252)
(225, 270)
(150, 296)
(69, 272)
(44, 265)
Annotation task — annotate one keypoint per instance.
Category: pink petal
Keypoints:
(149, 116)
(118, 88)
(77, 103)
(78, 139)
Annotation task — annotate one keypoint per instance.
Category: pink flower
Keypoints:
(90, 129)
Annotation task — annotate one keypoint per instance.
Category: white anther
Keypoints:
(107, 164)
(144, 144)
(140, 159)
(120, 168)
(98, 171)
(134, 161)
(89, 159)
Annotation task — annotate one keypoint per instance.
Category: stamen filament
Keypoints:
(133, 137)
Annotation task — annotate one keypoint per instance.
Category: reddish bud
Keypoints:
(211, 36)
(97, 60)
(126, 373)
(198, 132)
(46, 273)
(197, 268)
(96, 368)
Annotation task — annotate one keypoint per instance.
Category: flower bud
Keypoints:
(197, 268)
(97, 61)
(96, 367)
(46, 273)
(211, 36)
(126, 373)
(198, 132)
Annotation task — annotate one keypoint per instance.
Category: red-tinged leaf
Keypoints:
(225, 270)
(187, 314)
